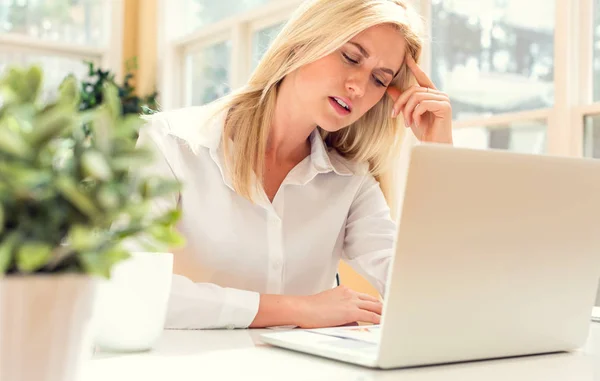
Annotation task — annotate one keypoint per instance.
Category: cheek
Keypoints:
(309, 82)
(321, 73)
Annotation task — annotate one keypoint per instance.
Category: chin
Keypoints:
(332, 125)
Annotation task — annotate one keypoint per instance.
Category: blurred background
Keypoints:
(523, 75)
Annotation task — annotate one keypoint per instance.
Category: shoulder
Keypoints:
(196, 126)
(345, 166)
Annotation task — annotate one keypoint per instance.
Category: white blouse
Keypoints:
(326, 209)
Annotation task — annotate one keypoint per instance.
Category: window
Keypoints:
(596, 50)
(506, 64)
(60, 35)
(493, 56)
(205, 12)
(56, 67)
(76, 22)
(216, 47)
(592, 136)
(208, 73)
(588, 114)
(523, 137)
(261, 40)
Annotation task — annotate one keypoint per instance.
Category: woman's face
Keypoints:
(340, 88)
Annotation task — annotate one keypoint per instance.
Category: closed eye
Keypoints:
(378, 82)
(355, 62)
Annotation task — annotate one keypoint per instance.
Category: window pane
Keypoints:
(71, 21)
(596, 65)
(208, 73)
(591, 136)
(262, 40)
(528, 137)
(204, 12)
(494, 56)
(55, 68)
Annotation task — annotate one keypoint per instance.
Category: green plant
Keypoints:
(92, 91)
(68, 199)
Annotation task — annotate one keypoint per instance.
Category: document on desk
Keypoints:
(369, 334)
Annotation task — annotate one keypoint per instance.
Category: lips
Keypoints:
(342, 106)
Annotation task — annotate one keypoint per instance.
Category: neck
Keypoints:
(290, 130)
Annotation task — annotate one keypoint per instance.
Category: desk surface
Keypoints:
(240, 355)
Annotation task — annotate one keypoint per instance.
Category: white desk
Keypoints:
(239, 355)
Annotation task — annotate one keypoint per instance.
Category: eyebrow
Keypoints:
(365, 53)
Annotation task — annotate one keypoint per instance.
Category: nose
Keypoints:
(356, 84)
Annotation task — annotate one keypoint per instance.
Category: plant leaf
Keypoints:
(123, 161)
(82, 238)
(33, 79)
(101, 263)
(111, 100)
(170, 218)
(69, 190)
(12, 143)
(32, 256)
(167, 235)
(108, 197)
(69, 92)
(13, 84)
(94, 165)
(7, 246)
(50, 125)
(153, 187)
(23, 178)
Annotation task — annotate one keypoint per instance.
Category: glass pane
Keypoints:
(55, 68)
(591, 136)
(71, 21)
(528, 137)
(262, 40)
(494, 56)
(596, 65)
(208, 74)
(204, 12)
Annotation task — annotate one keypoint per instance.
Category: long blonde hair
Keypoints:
(318, 28)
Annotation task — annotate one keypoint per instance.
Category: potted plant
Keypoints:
(68, 200)
(92, 90)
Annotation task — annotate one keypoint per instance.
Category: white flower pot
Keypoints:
(132, 305)
(45, 326)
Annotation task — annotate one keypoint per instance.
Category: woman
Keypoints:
(282, 178)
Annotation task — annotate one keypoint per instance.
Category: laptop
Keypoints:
(497, 255)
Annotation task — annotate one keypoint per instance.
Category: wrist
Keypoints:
(277, 310)
(298, 310)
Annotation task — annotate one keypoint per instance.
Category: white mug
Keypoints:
(131, 308)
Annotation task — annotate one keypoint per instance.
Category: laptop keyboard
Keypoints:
(361, 334)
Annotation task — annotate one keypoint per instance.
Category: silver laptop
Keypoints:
(497, 255)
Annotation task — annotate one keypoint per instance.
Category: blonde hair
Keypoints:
(317, 29)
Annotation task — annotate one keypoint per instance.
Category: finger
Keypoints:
(394, 92)
(414, 101)
(367, 298)
(400, 98)
(351, 324)
(376, 307)
(439, 109)
(368, 317)
(403, 98)
(420, 75)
